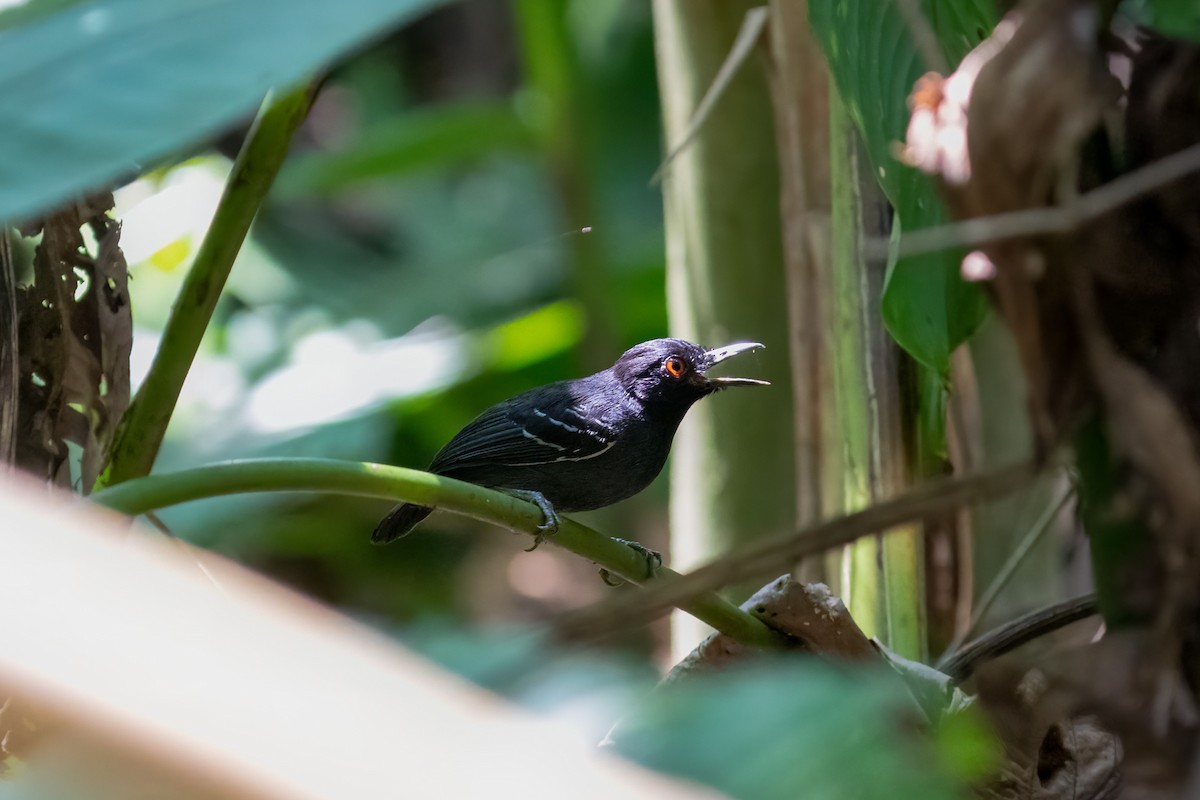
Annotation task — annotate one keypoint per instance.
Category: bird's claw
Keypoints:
(653, 561)
(550, 521)
(653, 557)
(609, 579)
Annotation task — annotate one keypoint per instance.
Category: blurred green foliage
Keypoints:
(802, 729)
(784, 728)
(413, 265)
(467, 205)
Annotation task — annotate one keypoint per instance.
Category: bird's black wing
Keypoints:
(545, 426)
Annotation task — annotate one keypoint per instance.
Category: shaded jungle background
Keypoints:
(422, 256)
(468, 210)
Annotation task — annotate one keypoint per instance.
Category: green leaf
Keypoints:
(418, 140)
(936, 692)
(927, 306)
(1179, 18)
(106, 88)
(787, 730)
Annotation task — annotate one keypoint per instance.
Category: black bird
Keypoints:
(581, 444)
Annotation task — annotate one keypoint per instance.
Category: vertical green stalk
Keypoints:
(904, 591)
(884, 573)
(140, 432)
(861, 589)
(732, 469)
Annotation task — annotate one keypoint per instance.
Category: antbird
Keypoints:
(581, 444)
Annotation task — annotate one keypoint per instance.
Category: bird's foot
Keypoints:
(653, 561)
(653, 557)
(549, 525)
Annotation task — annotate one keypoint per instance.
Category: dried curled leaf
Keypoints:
(810, 614)
(1103, 306)
(74, 338)
(9, 375)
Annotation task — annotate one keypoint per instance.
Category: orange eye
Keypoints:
(675, 367)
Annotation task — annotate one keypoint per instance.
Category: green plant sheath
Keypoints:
(140, 432)
(885, 589)
(140, 495)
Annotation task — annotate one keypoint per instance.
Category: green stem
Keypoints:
(886, 582)
(142, 495)
(1015, 560)
(141, 429)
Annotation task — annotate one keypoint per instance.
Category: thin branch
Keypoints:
(769, 556)
(1015, 559)
(1088, 207)
(1013, 634)
(141, 429)
(142, 495)
(747, 37)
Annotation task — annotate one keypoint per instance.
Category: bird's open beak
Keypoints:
(717, 355)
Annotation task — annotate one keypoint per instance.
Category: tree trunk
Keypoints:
(732, 473)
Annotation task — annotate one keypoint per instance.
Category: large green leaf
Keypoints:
(105, 88)
(927, 306)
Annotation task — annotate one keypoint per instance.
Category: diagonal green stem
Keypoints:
(141, 495)
(141, 430)
(1015, 560)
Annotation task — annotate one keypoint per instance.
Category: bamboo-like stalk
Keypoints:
(884, 572)
(141, 495)
(140, 432)
(732, 469)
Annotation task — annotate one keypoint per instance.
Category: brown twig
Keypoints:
(1014, 561)
(1012, 635)
(1042, 221)
(747, 38)
(782, 552)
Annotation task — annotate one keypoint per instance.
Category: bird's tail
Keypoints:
(399, 522)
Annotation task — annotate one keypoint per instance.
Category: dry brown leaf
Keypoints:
(810, 614)
(9, 373)
(1052, 750)
(75, 335)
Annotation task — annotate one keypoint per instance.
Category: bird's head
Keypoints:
(674, 371)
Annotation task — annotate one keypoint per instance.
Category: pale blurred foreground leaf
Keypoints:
(155, 670)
